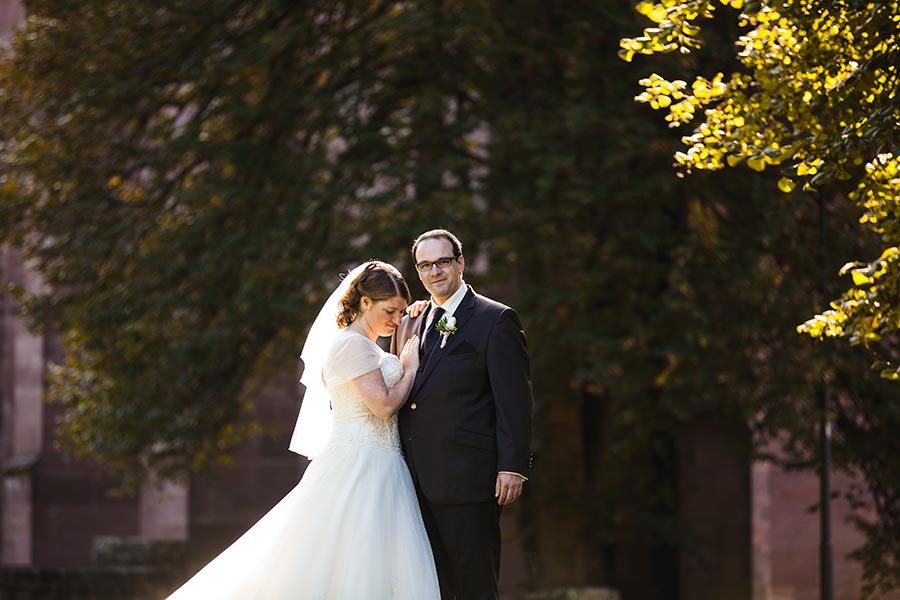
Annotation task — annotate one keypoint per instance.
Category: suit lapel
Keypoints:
(463, 314)
(421, 326)
(414, 327)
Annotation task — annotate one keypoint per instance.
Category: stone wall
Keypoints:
(125, 568)
(714, 499)
(85, 583)
(786, 536)
(11, 14)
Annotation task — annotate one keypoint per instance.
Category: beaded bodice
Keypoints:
(354, 423)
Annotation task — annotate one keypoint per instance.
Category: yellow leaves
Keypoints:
(890, 254)
(886, 162)
(757, 163)
(767, 14)
(807, 168)
(689, 29)
(828, 324)
(700, 89)
(662, 101)
(654, 12)
(630, 46)
(846, 70)
(785, 185)
(708, 89)
(645, 8)
(804, 169)
(868, 274)
(660, 93)
(702, 157)
(816, 84)
(675, 28)
(860, 278)
(881, 48)
(879, 194)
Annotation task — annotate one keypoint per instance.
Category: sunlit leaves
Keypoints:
(785, 185)
(868, 311)
(817, 98)
(814, 99)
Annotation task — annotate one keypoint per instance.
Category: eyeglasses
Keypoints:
(442, 263)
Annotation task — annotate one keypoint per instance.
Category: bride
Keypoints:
(351, 529)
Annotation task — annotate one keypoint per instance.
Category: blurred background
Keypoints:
(183, 183)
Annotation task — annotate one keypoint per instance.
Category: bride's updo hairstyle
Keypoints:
(378, 281)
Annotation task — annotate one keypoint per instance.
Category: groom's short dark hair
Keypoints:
(439, 234)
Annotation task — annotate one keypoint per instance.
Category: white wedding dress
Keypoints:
(352, 528)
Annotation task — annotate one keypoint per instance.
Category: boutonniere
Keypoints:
(447, 327)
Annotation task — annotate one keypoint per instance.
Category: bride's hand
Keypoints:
(416, 308)
(409, 356)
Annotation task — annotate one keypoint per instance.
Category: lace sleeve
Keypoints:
(351, 355)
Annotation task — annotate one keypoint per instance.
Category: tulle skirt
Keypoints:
(350, 530)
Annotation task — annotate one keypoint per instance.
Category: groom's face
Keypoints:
(441, 283)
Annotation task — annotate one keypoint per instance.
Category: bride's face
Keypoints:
(383, 316)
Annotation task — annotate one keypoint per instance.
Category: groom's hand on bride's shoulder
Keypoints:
(415, 309)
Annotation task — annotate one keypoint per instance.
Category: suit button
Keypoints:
(413, 406)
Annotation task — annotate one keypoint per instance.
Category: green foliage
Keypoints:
(190, 178)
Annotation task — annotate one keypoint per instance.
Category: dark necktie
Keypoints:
(431, 336)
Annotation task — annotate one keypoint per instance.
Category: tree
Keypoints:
(812, 98)
(190, 178)
(815, 98)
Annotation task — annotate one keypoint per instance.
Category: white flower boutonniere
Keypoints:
(447, 327)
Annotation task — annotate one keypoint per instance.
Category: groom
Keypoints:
(466, 427)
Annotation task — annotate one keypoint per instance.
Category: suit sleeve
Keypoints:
(509, 373)
(395, 350)
(401, 334)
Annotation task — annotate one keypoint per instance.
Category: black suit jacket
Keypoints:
(468, 415)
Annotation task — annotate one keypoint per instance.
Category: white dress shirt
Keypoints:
(449, 306)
